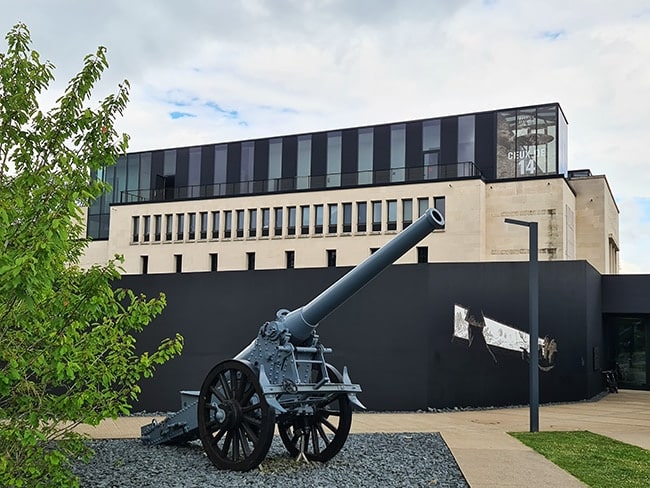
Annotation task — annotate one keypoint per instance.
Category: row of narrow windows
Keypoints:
(305, 220)
(290, 259)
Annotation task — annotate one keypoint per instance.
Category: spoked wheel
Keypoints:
(320, 436)
(236, 424)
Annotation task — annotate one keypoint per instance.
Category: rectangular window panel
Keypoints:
(119, 186)
(227, 224)
(318, 219)
(291, 221)
(362, 216)
(407, 213)
(194, 173)
(332, 218)
(169, 162)
(391, 210)
(423, 205)
(252, 222)
(180, 227)
(240, 223)
(133, 178)
(275, 164)
(334, 159)
(247, 167)
(397, 152)
(290, 259)
(250, 261)
(191, 217)
(220, 169)
(214, 261)
(204, 225)
(365, 151)
(169, 226)
(347, 217)
(423, 254)
(277, 212)
(144, 264)
(266, 221)
(144, 184)
(304, 219)
(215, 224)
(178, 262)
(376, 216)
(439, 205)
(466, 145)
(331, 258)
(157, 227)
(147, 228)
(135, 235)
(304, 162)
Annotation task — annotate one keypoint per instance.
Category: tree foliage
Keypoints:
(67, 350)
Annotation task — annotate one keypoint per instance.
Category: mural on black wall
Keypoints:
(470, 323)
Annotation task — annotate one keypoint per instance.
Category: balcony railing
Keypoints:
(318, 182)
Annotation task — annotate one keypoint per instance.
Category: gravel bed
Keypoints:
(366, 460)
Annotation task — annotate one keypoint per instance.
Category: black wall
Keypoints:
(395, 335)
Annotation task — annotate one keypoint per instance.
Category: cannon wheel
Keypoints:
(240, 440)
(322, 435)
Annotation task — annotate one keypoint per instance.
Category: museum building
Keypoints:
(274, 221)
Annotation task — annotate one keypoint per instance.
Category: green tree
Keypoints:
(67, 350)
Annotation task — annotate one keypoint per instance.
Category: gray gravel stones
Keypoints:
(366, 460)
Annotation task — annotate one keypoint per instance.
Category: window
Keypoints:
(291, 259)
(423, 205)
(275, 164)
(373, 250)
(391, 223)
(365, 155)
(252, 222)
(347, 217)
(439, 205)
(423, 254)
(214, 261)
(157, 227)
(376, 216)
(334, 159)
(215, 225)
(194, 173)
(277, 212)
(180, 227)
(331, 258)
(204, 225)
(169, 226)
(397, 151)
(318, 212)
(266, 219)
(144, 264)
(304, 219)
(291, 221)
(192, 225)
(247, 162)
(407, 213)
(332, 218)
(362, 216)
(250, 261)
(240, 223)
(465, 145)
(220, 166)
(147, 228)
(136, 230)
(431, 148)
(304, 162)
(227, 224)
(178, 261)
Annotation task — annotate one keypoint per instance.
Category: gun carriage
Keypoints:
(281, 378)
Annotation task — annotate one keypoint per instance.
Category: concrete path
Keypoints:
(486, 454)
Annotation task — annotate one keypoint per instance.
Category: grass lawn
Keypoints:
(594, 459)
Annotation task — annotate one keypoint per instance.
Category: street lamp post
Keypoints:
(533, 319)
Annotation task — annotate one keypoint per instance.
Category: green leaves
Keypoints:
(67, 350)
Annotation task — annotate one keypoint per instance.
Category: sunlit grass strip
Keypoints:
(594, 459)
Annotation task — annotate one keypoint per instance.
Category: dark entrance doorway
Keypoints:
(630, 339)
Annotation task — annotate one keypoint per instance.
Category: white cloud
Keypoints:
(287, 66)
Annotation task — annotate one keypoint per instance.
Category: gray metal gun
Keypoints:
(282, 378)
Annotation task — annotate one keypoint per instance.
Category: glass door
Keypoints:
(631, 338)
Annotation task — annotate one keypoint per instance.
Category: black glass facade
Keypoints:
(513, 143)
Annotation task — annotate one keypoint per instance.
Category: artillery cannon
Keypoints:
(282, 378)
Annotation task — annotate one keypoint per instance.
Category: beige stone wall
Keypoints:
(578, 219)
(597, 219)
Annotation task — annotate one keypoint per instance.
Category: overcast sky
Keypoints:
(205, 71)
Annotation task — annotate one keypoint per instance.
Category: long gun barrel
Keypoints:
(301, 322)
